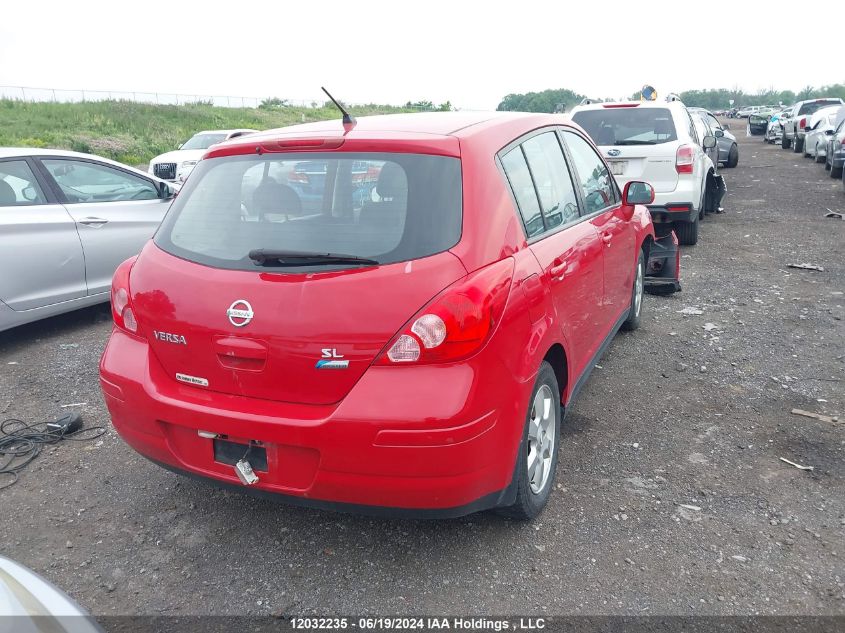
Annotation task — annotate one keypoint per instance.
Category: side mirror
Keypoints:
(709, 142)
(636, 192)
(719, 133)
(829, 132)
(807, 128)
(165, 191)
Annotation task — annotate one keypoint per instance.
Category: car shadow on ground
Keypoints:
(62, 325)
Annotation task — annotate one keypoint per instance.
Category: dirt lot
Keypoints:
(680, 412)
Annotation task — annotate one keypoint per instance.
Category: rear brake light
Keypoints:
(457, 322)
(802, 123)
(121, 304)
(684, 159)
(621, 105)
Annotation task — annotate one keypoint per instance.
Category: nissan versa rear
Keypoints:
(386, 317)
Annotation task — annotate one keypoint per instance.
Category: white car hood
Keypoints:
(179, 155)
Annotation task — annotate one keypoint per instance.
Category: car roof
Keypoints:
(629, 104)
(443, 129)
(21, 152)
(239, 129)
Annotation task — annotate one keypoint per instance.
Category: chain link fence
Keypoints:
(60, 95)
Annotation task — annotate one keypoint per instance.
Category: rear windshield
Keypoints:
(383, 207)
(628, 126)
(810, 108)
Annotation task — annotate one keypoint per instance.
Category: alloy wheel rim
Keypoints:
(541, 439)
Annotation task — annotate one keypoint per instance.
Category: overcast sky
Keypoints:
(471, 53)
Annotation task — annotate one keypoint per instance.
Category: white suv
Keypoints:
(657, 142)
(176, 165)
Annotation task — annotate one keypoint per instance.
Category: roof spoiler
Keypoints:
(673, 97)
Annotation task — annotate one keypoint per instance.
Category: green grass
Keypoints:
(133, 133)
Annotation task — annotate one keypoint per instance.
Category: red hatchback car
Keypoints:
(388, 317)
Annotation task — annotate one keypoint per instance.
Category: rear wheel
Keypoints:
(536, 460)
(835, 172)
(818, 157)
(633, 320)
(785, 142)
(797, 144)
(687, 232)
(733, 156)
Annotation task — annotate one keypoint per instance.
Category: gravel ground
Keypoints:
(671, 496)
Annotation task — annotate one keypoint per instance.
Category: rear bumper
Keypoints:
(672, 212)
(420, 441)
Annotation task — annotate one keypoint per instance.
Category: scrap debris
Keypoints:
(798, 466)
(833, 214)
(806, 266)
(816, 416)
(691, 311)
(710, 326)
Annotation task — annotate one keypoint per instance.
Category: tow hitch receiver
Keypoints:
(663, 269)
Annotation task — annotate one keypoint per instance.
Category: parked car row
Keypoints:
(815, 128)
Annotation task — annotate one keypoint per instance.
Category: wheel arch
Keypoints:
(556, 357)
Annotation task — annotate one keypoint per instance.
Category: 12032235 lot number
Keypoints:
(416, 623)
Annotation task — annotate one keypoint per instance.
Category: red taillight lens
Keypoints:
(457, 322)
(121, 304)
(684, 159)
(802, 123)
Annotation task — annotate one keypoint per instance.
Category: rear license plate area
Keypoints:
(617, 167)
(226, 452)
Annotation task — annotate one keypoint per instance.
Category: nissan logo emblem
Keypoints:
(240, 313)
(614, 152)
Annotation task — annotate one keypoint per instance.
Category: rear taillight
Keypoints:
(802, 123)
(684, 159)
(121, 304)
(456, 323)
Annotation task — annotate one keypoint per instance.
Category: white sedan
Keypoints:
(66, 221)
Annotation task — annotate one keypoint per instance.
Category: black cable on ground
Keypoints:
(21, 443)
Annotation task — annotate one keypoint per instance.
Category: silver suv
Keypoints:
(658, 142)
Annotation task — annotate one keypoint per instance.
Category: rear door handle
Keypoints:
(607, 238)
(95, 222)
(558, 269)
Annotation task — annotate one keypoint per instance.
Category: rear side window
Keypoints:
(552, 180)
(596, 183)
(386, 207)
(516, 169)
(628, 125)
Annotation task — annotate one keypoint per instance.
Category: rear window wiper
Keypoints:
(635, 142)
(271, 257)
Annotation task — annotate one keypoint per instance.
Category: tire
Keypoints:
(733, 156)
(636, 308)
(531, 494)
(835, 172)
(797, 144)
(687, 232)
(818, 158)
(785, 142)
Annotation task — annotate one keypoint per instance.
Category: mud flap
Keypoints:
(721, 190)
(663, 269)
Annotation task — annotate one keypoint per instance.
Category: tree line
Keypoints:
(563, 100)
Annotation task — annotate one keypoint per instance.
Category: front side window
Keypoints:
(383, 207)
(627, 125)
(522, 185)
(596, 182)
(551, 177)
(82, 181)
(18, 186)
(714, 123)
